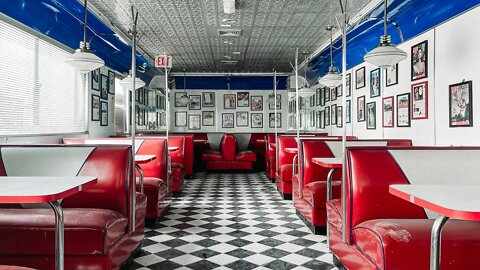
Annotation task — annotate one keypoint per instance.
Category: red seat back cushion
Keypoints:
(177, 156)
(156, 168)
(284, 157)
(309, 171)
(228, 147)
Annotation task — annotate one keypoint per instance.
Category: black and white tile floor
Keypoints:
(232, 221)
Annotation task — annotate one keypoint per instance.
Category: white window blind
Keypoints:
(39, 94)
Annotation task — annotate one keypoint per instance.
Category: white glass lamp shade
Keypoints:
(84, 61)
(157, 82)
(127, 82)
(331, 79)
(292, 81)
(385, 55)
(229, 6)
(306, 92)
(184, 100)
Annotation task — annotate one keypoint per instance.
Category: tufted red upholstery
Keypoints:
(228, 158)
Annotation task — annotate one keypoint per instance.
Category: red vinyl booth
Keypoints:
(270, 154)
(257, 145)
(228, 158)
(177, 162)
(188, 152)
(98, 221)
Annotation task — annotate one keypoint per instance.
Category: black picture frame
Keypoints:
(419, 61)
(104, 87)
(180, 119)
(194, 122)
(272, 121)
(279, 102)
(111, 82)
(333, 97)
(208, 99)
(229, 101)
(361, 109)
(348, 90)
(348, 113)
(339, 116)
(256, 103)
(95, 112)
(371, 115)
(333, 111)
(103, 113)
(228, 120)
(317, 119)
(326, 91)
(242, 119)
(206, 116)
(256, 120)
(360, 78)
(196, 103)
(322, 96)
(177, 97)
(243, 99)
(322, 119)
(375, 83)
(327, 116)
(391, 75)
(403, 110)
(460, 102)
(95, 74)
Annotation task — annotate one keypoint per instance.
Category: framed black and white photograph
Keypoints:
(229, 101)
(327, 94)
(257, 103)
(348, 90)
(460, 101)
(96, 79)
(322, 119)
(208, 118)
(194, 121)
(419, 61)
(312, 118)
(403, 110)
(361, 109)
(317, 97)
(104, 113)
(391, 75)
(339, 90)
(178, 95)
(333, 117)
(95, 108)
(111, 82)
(242, 119)
(243, 99)
(271, 106)
(327, 116)
(317, 119)
(312, 101)
(375, 83)
(334, 93)
(348, 113)
(360, 78)
(180, 119)
(208, 99)
(339, 116)
(371, 115)
(275, 120)
(104, 87)
(322, 96)
(228, 120)
(196, 102)
(257, 120)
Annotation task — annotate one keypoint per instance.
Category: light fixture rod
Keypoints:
(133, 122)
(385, 18)
(85, 10)
(331, 47)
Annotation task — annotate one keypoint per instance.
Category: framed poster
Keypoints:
(227, 120)
(339, 90)
(208, 118)
(420, 100)
(322, 119)
(279, 102)
(312, 118)
(243, 99)
(317, 97)
(334, 93)
(242, 119)
(360, 78)
(95, 108)
(348, 113)
(317, 118)
(322, 96)
(208, 99)
(178, 95)
(104, 113)
(275, 120)
(104, 86)
(96, 79)
(257, 103)
(371, 115)
(375, 83)
(196, 102)
(387, 112)
(348, 90)
(460, 100)
(194, 121)
(180, 119)
(333, 111)
(391, 75)
(257, 120)
(111, 82)
(339, 116)
(229, 101)
(361, 109)
(327, 116)
(327, 94)
(419, 60)
(312, 101)
(403, 110)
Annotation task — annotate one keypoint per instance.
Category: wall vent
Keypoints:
(229, 32)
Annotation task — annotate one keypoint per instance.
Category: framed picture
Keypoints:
(375, 83)
(242, 119)
(333, 111)
(312, 118)
(227, 120)
(257, 103)
(334, 93)
(371, 115)
(163, 104)
(104, 113)
(317, 97)
(95, 108)
(111, 82)
(180, 119)
(229, 101)
(327, 116)
(208, 99)
(327, 94)
(317, 118)
(322, 119)
(420, 100)
(360, 78)
(348, 90)
(361, 109)
(104, 86)
(279, 102)
(257, 120)
(391, 75)
(275, 120)
(339, 116)
(312, 101)
(96, 79)
(403, 110)
(243, 99)
(178, 95)
(349, 111)
(339, 91)
(420, 60)
(460, 100)
(387, 112)
(322, 96)
(208, 118)
(194, 121)
(196, 102)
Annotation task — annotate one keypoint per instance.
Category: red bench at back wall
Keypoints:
(229, 158)
(98, 220)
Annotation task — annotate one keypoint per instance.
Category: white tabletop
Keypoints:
(454, 201)
(173, 148)
(37, 189)
(144, 158)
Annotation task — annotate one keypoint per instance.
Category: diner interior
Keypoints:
(239, 134)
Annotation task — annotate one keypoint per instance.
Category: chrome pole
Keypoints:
(436, 241)
(297, 105)
(59, 235)
(133, 122)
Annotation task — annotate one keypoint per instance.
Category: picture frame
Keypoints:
(317, 119)
(208, 99)
(95, 114)
(360, 78)
(391, 75)
(312, 118)
(419, 61)
(228, 120)
(275, 120)
(104, 87)
(177, 96)
(339, 116)
(140, 95)
(322, 96)
(348, 114)
(243, 99)
(460, 104)
(95, 74)
(256, 103)
(372, 115)
(312, 101)
(327, 94)
(279, 102)
(208, 118)
(375, 89)
(196, 103)
(257, 120)
(339, 91)
(348, 90)
(180, 119)
(194, 121)
(322, 119)
(229, 101)
(111, 82)
(103, 113)
(388, 112)
(317, 97)
(242, 119)
(334, 94)
(361, 109)
(327, 116)
(333, 111)
(403, 110)
(419, 94)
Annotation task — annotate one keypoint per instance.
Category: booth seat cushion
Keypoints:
(246, 156)
(296, 183)
(334, 213)
(286, 171)
(212, 156)
(315, 193)
(87, 231)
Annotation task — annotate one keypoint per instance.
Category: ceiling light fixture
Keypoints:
(229, 6)
(127, 82)
(332, 78)
(386, 54)
(83, 59)
(306, 91)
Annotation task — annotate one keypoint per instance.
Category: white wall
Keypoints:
(94, 128)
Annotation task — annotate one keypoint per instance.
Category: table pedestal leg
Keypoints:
(435, 242)
(329, 197)
(140, 177)
(59, 250)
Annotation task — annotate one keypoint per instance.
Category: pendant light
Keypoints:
(332, 78)
(184, 100)
(127, 82)
(306, 91)
(386, 54)
(83, 59)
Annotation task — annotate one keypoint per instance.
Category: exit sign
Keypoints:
(163, 61)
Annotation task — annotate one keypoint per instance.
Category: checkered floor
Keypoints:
(232, 221)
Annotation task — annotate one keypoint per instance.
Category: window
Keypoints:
(39, 93)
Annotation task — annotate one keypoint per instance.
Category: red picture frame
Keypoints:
(419, 100)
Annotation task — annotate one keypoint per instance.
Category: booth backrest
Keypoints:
(269, 151)
(257, 143)
(178, 155)
(337, 146)
(228, 147)
(285, 141)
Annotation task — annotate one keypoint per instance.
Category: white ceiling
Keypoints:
(188, 30)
